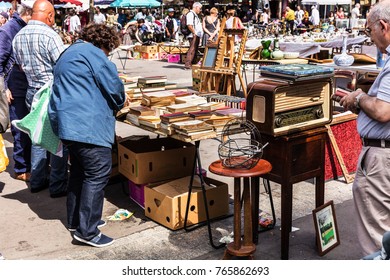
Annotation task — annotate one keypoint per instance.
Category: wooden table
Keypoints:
(247, 247)
(295, 158)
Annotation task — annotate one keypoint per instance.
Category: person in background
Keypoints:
(99, 17)
(195, 26)
(15, 84)
(122, 18)
(340, 13)
(184, 13)
(355, 14)
(36, 49)
(265, 17)
(299, 13)
(3, 18)
(315, 16)
(211, 25)
(290, 20)
(233, 22)
(371, 187)
(171, 26)
(74, 22)
(83, 117)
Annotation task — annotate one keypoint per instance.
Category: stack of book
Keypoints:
(212, 106)
(158, 98)
(201, 115)
(138, 111)
(152, 83)
(218, 122)
(194, 129)
(168, 119)
(149, 121)
(193, 99)
(228, 100)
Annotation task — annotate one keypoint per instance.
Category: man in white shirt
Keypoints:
(315, 16)
(74, 22)
(98, 17)
(355, 14)
(195, 26)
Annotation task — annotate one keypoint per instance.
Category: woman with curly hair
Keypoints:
(86, 93)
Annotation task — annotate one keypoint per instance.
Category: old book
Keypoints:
(170, 85)
(142, 111)
(184, 107)
(193, 99)
(151, 89)
(180, 92)
(231, 112)
(198, 134)
(201, 115)
(154, 85)
(216, 120)
(212, 106)
(159, 95)
(174, 117)
(133, 119)
(149, 121)
(152, 79)
(191, 124)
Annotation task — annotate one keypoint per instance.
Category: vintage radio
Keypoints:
(280, 107)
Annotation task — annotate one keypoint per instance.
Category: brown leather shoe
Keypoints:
(23, 176)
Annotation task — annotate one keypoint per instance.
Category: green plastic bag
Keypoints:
(37, 124)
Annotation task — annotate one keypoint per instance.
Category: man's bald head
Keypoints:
(43, 11)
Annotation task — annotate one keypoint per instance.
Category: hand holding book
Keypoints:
(340, 93)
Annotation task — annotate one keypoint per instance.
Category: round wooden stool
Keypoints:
(247, 247)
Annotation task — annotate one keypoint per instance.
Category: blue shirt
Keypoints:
(367, 127)
(86, 91)
(36, 49)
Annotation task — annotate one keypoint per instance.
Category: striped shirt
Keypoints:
(36, 49)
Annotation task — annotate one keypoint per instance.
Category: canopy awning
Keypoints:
(135, 3)
(326, 2)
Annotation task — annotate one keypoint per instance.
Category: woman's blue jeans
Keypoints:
(89, 173)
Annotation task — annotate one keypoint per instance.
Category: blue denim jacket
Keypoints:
(86, 92)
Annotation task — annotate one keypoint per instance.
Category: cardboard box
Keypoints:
(173, 58)
(150, 56)
(154, 160)
(114, 152)
(136, 193)
(166, 203)
(148, 49)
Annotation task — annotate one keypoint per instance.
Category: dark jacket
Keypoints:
(15, 79)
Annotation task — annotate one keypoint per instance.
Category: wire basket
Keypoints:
(241, 145)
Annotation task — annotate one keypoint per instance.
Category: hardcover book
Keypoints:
(152, 79)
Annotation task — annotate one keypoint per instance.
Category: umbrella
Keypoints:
(75, 2)
(135, 3)
(4, 6)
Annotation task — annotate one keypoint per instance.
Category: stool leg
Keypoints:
(237, 213)
(255, 208)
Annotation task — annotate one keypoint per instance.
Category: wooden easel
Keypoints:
(227, 63)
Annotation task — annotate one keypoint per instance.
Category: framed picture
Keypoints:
(210, 55)
(326, 228)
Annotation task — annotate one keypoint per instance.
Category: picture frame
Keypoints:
(327, 235)
(210, 55)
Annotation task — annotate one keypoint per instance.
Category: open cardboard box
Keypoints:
(153, 160)
(166, 203)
